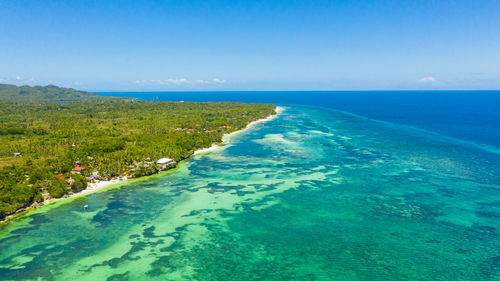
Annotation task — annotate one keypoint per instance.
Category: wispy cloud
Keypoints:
(19, 80)
(31, 81)
(169, 81)
(179, 82)
(176, 81)
(219, 81)
(428, 79)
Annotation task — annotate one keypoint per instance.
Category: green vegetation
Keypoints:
(11, 93)
(107, 139)
(14, 197)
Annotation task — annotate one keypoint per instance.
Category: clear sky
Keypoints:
(251, 45)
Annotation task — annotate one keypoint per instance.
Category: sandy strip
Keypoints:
(101, 184)
(203, 150)
(92, 187)
(278, 109)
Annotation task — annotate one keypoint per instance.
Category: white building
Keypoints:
(164, 161)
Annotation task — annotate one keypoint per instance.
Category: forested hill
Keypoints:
(49, 149)
(12, 93)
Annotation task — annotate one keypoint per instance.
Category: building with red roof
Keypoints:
(78, 168)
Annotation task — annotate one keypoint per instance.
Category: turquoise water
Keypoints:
(467, 115)
(314, 194)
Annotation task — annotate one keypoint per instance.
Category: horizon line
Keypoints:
(218, 91)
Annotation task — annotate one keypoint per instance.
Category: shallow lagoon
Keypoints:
(314, 194)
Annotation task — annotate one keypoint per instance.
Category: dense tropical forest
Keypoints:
(49, 149)
(12, 93)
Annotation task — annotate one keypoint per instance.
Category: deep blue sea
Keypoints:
(467, 115)
(338, 186)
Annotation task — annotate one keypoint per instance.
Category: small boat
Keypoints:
(168, 183)
(85, 207)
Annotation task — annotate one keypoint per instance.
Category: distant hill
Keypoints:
(14, 93)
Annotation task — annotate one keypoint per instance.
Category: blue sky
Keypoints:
(251, 45)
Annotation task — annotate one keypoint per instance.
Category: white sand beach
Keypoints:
(93, 187)
(278, 109)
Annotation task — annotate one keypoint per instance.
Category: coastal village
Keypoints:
(96, 179)
(51, 150)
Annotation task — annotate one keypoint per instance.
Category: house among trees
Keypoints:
(17, 153)
(165, 161)
(78, 169)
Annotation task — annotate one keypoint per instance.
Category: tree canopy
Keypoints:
(41, 143)
(26, 94)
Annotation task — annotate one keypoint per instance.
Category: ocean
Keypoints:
(467, 115)
(339, 186)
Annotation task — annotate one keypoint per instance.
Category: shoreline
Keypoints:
(93, 187)
(214, 146)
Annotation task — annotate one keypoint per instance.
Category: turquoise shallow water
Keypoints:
(314, 194)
